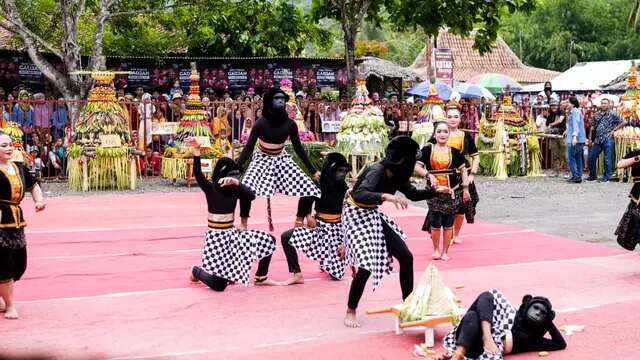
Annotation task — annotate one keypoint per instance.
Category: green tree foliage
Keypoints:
(561, 32)
(244, 28)
(198, 28)
(482, 19)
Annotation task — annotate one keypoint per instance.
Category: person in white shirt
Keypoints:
(541, 119)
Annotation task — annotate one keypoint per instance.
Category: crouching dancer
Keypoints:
(492, 328)
(371, 237)
(322, 240)
(228, 251)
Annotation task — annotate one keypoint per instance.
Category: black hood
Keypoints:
(267, 105)
(332, 162)
(523, 324)
(224, 167)
(401, 156)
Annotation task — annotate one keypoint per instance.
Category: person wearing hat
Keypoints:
(492, 328)
(371, 237)
(228, 252)
(272, 169)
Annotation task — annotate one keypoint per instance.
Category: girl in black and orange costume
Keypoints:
(446, 166)
(15, 180)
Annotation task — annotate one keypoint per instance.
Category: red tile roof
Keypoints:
(468, 62)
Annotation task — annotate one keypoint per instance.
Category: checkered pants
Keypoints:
(270, 174)
(321, 244)
(504, 315)
(228, 253)
(366, 247)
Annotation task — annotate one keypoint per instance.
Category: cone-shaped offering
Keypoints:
(362, 129)
(430, 297)
(431, 111)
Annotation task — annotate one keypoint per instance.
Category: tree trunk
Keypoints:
(350, 33)
(428, 54)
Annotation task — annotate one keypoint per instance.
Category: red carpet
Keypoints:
(108, 278)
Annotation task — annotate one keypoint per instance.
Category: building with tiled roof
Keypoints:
(467, 62)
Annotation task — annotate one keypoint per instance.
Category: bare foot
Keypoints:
(350, 319)
(443, 356)
(445, 257)
(297, 278)
(266, 282)
(436, 255)
(192, 277)
(11, 313)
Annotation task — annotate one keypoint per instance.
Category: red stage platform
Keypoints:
(108, 278)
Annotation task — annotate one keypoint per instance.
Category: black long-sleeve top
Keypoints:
(275, 133)
(223, 202)
(330, 202)
(373, 182)
(523, 343)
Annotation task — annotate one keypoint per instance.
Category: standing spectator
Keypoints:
(220, 123)
(575, 140)
(176, 107)
(59, 119)
(145, 111)
(556, 126)
(23, 115)
(541, 119)
(331, 113)
(176, 89)
(601, 139)
(41, 116)
(139, 93)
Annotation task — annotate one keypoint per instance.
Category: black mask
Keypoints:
(275, 101)
(334, 172)
(279, 101)
(537, 313)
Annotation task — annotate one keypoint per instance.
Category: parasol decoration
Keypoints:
(494, 82)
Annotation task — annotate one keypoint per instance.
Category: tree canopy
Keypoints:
(199, 28)
(561, 32)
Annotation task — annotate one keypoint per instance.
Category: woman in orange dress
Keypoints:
(445, 165)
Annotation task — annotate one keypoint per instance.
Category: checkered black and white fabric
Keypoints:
(321, 244)
(366, 247)
(270, 174)
(504, 315)
(228, 253)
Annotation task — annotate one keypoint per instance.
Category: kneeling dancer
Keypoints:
(15, 180)
(628, 230)
(372, 238)
(272, 170)
(228, 251)
(492, 328)
(323, 240)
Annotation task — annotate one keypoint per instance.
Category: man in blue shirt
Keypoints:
(602, 127)
(575, 140)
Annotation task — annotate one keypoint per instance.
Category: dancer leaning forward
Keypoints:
(228, 251)
(15, 180)
(372, 238)
(272, 170)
